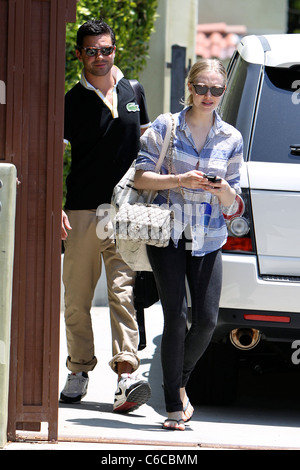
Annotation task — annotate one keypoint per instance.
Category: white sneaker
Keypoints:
(75, 388)
(132, 392)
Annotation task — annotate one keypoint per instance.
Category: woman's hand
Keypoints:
(225, 193)
(193, 180)
(197, 180)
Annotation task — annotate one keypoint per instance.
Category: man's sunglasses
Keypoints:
(93, 51)
(215, 90)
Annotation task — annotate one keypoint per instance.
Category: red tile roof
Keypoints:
(218, 39)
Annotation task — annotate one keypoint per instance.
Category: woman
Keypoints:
(203, 145)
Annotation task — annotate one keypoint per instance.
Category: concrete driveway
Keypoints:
(270, 422)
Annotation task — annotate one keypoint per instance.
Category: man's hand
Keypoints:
(65, 225)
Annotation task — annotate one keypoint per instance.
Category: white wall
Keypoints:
(175, 25)
(260, 16)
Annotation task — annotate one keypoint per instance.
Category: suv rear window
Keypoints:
(277, 123)
(238, 103)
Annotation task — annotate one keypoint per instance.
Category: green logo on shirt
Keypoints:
(132, 107)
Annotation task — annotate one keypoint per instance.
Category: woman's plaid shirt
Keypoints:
(196, 212)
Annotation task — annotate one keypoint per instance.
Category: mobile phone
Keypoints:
(212, 178)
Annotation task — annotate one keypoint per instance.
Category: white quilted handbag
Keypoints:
(145, 223)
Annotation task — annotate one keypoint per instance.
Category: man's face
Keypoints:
(98, 65)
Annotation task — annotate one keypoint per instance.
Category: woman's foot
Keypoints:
(174, 425)
(188, 409)
(174, 421)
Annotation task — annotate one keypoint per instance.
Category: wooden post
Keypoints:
(32, 51)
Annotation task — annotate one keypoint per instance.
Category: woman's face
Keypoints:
(207, 102)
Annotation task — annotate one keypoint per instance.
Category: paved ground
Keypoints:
(93, 425)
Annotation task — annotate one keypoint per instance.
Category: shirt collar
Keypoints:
(218, 126)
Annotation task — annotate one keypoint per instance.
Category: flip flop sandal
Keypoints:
(187, 407)
(179, 425)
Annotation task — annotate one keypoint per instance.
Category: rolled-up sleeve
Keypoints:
(234, 164)
(233, 174)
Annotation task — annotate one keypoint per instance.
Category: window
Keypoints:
(277, 123)
(237, 106)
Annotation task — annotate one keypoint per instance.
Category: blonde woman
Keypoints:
(204, 147)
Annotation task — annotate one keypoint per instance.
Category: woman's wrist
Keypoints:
(227, 198)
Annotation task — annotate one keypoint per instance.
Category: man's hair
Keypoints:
(94, 28)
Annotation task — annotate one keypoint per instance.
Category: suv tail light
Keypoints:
(240, 228)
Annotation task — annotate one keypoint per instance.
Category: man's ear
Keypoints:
(78, 54)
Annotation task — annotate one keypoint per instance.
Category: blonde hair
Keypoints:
(204, 65)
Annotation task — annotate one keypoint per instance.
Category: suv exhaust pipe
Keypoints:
(245, 338)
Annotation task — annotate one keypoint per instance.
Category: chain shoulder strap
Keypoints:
(171, 166)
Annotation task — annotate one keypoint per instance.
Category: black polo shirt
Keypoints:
(102, 145)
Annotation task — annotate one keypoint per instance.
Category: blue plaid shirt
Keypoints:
(196, 212)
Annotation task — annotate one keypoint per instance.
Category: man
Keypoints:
(103, 124)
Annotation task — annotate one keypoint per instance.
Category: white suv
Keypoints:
(260, 299)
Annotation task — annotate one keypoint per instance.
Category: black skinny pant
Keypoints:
(180, 350)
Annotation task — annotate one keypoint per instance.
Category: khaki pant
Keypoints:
(81, 271)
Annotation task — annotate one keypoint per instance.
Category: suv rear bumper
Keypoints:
(245, 293)
(243, 288)
(231, 319)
